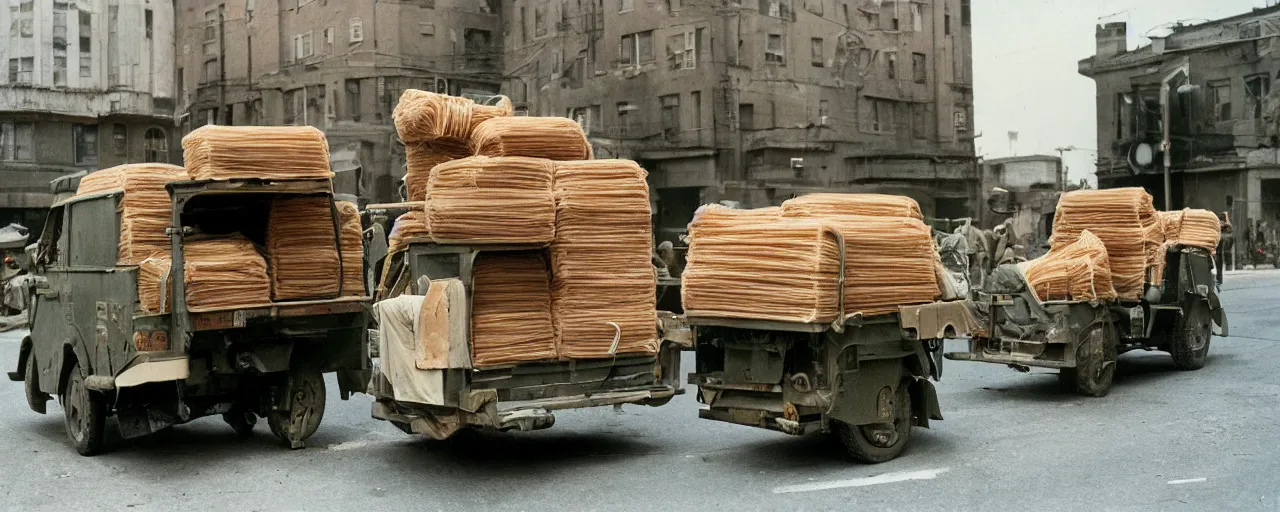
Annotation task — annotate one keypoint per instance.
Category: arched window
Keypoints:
(157, 146)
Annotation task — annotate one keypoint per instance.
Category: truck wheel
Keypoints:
(85, 414)
(1095, 364)
(36, 399)
(1190, 345)
(304, 408)
(880, 442)
(241, 421)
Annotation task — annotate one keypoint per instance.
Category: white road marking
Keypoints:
(1187, 481)
(887, 478)
(349, 445)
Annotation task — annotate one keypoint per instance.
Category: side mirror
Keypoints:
(1001, 202)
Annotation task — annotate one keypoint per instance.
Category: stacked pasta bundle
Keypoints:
(435, 129)
(553, 138)
(890, 258)
(408, 226)
(219, 273)
(145, 207)
(750, 264)
(1124, 220)
(511, 310)
(302, 249)
(1187, 228)
(1077, 271)
(876, 205)
(603, 285)
(352, 249)
(491, 200)
(263, 152)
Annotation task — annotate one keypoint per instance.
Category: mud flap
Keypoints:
(924, 399)
(1220, 327)
(353, 381)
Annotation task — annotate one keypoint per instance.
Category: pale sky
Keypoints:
(1025, 54)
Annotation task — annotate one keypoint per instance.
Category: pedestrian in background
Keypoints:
(1224, 244)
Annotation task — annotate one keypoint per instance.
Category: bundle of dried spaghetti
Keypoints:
(422, 116)
(225, 272)
(491, 200)
(145, 207)
(302, 249)
(1192, 228)
(781, 270)
(352, 249)
(1124, 220)
(714, 215)
(878, 205)
(553, 138)
(421, 157)
(604, 284)
(408, 226)
(511, 309)
(1080, 270)
(265, 152)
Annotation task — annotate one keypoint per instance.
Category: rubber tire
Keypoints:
(84, 414)
(36, 399)
(862, 450)
(295, 426)
(241, 421)
(1196, 323)
(1084, 379)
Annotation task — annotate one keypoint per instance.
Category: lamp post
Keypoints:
(1166, 144)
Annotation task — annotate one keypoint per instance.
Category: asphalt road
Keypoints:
(1162, 440)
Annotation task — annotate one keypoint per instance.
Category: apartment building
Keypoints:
(337, 65)
(761, 100)
(89, 84)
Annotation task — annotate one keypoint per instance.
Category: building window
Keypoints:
(211, 70)
(1124, 112)
(919, 68)
(211, 32)
(624, 118)
(23, 15)
(775, 51)
(824, 108)
(353, 99)
(85, 140)
(917, 21)
(328, 41)
(120, 139)
(920, 120)
(86, 45)
(776, 8)
(1256, 90)
(355, 33)
(682, 49)
(815, 48)
(229, 115)
(746, 116)
(636, 48)
(626, 5)
(60, 28)
(695, 104)
(1220, 99)
(946, 24)
(478, 45)
(60, 68)
(156, 146)
(965, 14)
(302, 46)
(670, 115)
(879, 115)
(149, 23)
(961, 120)
(891, 65)
(540, 20)
(22, 71)
(16, 141)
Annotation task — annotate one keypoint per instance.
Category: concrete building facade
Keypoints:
(761, 100)
(337, 65)
(1223, 115)
(1033, 184)
(89, 84)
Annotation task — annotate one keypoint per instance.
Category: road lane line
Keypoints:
(1187, 481)
(887, 478)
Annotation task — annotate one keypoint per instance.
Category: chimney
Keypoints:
(1113, 39)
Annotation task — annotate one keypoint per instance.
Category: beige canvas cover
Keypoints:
(399, 321)
(442, 327)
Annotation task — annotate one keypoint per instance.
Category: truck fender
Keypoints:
(24, 351)
(70, 354)
(924, 401)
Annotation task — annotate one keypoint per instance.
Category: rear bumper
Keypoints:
(1018, 353)
(760, 418)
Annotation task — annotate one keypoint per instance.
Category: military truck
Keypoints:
(1081, 340)
(93, 347)
(522, 396)
(864, 379)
